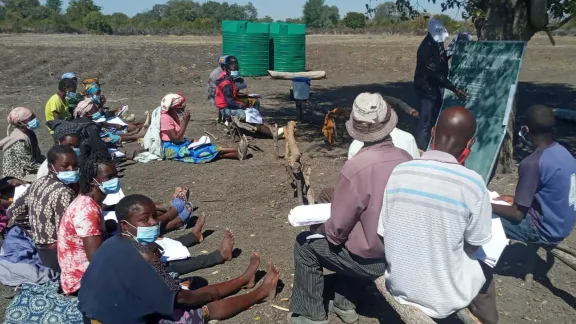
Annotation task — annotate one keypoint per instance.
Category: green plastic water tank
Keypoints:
(288, 52)
(250, 43)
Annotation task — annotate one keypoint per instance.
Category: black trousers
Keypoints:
(196, 262)
(429, 110)
(49, 258)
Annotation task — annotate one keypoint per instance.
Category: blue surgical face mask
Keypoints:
(76, 150)
(146, 234)
(109, 187)
(97, 115)
(33, 124)
(68, 177)
(235, 74)
(71, 95)
(96, 99)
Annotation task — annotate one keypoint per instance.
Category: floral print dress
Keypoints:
(18, 161)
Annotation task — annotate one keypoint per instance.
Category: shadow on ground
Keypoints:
(309, 130)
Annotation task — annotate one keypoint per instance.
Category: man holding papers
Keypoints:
(435, 215)
(351, 246)
(543, 211)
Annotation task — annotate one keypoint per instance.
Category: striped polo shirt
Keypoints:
(432, 206)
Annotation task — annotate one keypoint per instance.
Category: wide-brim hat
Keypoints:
(374, 131)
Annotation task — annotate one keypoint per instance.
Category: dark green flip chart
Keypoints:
(488, 72)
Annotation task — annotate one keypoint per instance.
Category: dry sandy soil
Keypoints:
(253, 197)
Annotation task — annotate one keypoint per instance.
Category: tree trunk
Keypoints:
(507, 20)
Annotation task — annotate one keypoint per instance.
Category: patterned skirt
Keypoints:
(199, 154)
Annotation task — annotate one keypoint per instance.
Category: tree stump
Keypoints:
(300, 180)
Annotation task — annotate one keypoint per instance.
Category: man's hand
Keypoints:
(186, 116)
(507, 198)
(460, 94)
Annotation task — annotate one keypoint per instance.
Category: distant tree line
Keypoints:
(184, 17)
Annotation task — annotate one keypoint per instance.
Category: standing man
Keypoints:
(430, 78)
(349, 244)
(435, 215)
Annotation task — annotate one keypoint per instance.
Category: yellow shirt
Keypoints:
(56, 105)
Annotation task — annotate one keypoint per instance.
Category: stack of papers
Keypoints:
(306, 215)
(491, 252)
(116, 152)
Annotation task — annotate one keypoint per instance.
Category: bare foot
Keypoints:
(227, 245)
(270, 282)
(252, 269)
(198, 227)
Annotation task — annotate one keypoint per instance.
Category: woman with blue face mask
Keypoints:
(22, 156)
(67, 134)
(53, 193)
(81, 229)
(127, 274)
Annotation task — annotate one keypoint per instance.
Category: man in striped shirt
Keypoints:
(435, 214)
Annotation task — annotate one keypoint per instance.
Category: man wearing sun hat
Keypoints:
(349, 245)
(430, 78)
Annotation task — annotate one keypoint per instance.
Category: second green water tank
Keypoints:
(288, 47)
(249, 43)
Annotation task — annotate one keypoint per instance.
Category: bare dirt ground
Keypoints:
(253, 197)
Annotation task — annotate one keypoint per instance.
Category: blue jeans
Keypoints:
(524, 231)
(228, 113)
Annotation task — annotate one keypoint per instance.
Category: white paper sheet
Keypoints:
(113, 199)
(491, 252)
(110, 215)
(494, 195)
(254, 95)
(203, 140)
(307, 215)
(116, 120)
(18, 191)
(116, 152)
(173, 250)
(253, 116)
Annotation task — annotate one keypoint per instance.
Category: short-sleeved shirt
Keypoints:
(120, 286)
(430, 208)
(56, 105)
(547, 189)
(83, 218)
(41, 207)
(168, 122)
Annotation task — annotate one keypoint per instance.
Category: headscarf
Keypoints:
(69, 75)
(92, 88)
(17, 117)
(171, 101)
(222, 60)
(84, 108)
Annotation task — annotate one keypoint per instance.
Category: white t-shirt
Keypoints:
(400, 138)
(431, 206)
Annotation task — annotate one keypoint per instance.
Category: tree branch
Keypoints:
(561, 23)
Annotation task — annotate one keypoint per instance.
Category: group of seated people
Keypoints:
(419, 220)
(61, 212)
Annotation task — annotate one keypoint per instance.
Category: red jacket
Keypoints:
(226, 94)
